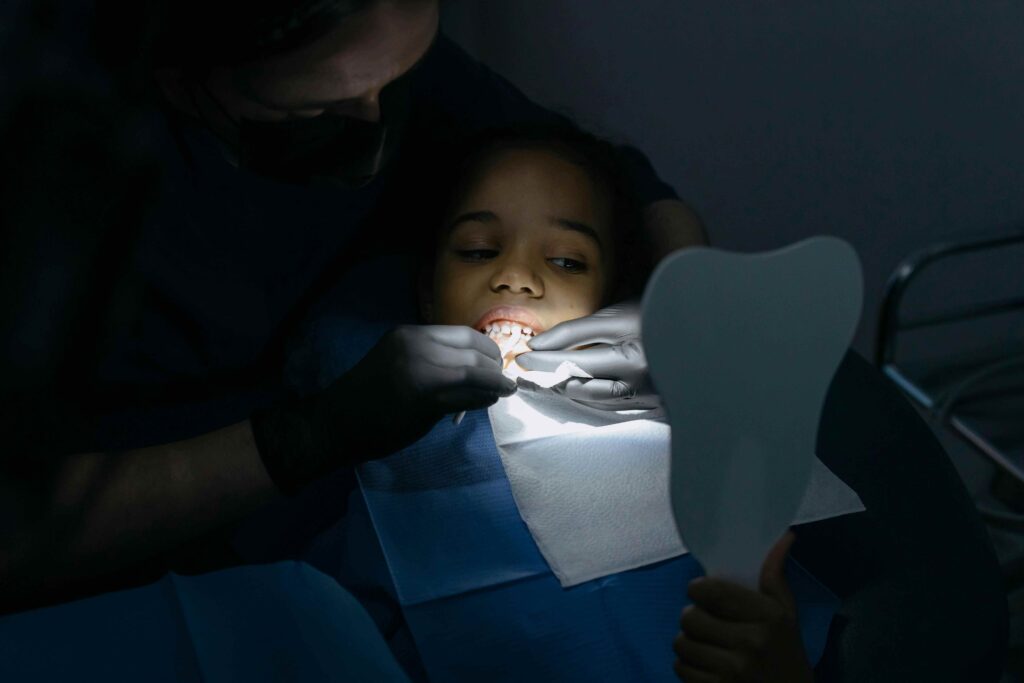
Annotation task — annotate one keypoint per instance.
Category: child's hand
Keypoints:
(731, 633)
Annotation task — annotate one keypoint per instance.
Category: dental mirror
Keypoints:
(742, 349)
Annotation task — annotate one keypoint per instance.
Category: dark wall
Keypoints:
(889, 123)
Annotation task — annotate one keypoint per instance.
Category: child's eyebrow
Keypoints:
(471, 216)
(563, 223)
(577, 226)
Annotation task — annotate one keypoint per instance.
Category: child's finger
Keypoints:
(704, 656)
(773, 576)
(688, 674)
(728, 600)
(698, 624)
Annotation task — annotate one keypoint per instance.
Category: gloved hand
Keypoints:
(413, 376)
(618, 364)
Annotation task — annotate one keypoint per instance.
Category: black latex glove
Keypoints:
(413, 376)
(618, 363)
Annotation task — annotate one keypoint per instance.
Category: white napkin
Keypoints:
(592, 485)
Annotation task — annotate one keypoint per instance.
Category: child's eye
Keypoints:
(569, 265)
(477, 254)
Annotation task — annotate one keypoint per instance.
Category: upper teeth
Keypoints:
(507, 328)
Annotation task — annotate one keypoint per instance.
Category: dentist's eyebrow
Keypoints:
(473, 217)
(579, 227)
(302, 105)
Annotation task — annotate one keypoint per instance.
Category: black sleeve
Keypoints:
(457, 95)
(920, 586)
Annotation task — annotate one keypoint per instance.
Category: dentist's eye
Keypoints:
(474, 255)
(569, 265)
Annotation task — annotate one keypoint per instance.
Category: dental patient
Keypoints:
(538, 235)
(539, 229)
(540, 232)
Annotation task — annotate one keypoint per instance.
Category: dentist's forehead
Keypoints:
(359, 56)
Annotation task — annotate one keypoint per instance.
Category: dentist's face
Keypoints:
(342, 72)
(526, 246)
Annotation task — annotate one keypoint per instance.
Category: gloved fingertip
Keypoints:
(540, 342)
(523, 360)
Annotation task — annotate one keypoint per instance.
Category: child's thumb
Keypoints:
(773, 576)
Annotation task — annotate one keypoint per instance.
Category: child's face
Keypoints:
(527, 245)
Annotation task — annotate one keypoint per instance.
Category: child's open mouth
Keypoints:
(511, 338)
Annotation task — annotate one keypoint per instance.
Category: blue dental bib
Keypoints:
(478, 597)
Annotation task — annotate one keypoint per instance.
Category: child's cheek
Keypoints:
(454, 297)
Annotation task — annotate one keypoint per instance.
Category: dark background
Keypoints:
(888, 123)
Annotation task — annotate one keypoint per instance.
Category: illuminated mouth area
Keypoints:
(511, 338)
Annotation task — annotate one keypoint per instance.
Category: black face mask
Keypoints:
(327, 149)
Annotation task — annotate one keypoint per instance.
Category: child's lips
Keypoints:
(519, 315)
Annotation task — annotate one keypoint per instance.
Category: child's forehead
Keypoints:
(531, 177)
(549, 156)
(532, 192)
(543, 229)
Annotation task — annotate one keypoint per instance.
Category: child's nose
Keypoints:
(517, 279)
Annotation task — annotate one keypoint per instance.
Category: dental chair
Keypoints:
(977, 396)
(919, 580)
(962, 364)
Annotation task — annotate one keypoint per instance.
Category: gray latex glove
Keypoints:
(618, 363)
(413, 376)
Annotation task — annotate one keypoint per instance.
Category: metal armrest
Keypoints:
(912, 266)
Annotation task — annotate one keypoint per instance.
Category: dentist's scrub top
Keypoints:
(228, 262)
(275, 623)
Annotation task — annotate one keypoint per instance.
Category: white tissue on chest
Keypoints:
(592, 485)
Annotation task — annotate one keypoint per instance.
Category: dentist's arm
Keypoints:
(86, 516)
